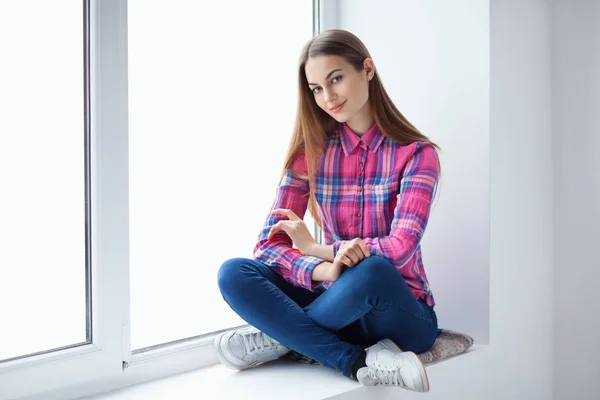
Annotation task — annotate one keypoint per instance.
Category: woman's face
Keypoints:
(340, 90)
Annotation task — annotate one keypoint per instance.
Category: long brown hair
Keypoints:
(313, 125)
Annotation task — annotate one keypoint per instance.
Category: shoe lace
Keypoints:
(257, 341)
(386, 375)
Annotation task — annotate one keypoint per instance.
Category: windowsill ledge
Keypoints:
(285, 379)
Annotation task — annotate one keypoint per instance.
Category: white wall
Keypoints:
(520, 366)
(518, 362)
(576, 135)
(437, 72)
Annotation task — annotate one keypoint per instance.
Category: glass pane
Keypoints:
(42, 207)
(212, 100)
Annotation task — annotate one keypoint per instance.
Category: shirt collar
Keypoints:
(350, 140)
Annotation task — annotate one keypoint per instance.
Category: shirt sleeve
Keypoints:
(278, 252)
(412, 209)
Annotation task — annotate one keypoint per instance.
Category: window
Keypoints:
(115, 115)
(42, 172)
(212, 102)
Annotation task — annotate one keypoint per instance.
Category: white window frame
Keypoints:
(107, 363)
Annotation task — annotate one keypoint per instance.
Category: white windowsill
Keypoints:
(285, 379)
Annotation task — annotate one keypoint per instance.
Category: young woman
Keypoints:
(368, 177)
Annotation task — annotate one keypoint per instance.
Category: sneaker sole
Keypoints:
(424, 387)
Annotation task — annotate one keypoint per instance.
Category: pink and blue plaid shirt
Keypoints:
(369, 187)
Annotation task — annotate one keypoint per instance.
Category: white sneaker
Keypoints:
(248, 347)
(389, 366)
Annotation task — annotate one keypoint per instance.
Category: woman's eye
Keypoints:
(334, 80)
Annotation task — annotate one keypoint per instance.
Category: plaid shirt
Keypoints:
(369, 187)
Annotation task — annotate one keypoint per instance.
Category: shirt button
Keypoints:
(362, 164)
(359, 190)
(358, 215)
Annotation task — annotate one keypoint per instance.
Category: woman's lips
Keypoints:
(338, 108)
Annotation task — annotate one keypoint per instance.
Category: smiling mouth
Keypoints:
(337, 108)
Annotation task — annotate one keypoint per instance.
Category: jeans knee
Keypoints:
(374, 264)
(375, 260)
(372, 269)
(229, 274)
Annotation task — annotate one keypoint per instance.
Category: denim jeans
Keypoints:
(369, 302)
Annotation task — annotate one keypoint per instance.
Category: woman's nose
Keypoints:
(328, 95)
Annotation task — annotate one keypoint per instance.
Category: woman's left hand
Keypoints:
(295, 228)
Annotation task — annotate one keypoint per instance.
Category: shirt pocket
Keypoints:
(379, 203)
(382, 192)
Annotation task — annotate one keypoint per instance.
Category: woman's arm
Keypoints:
(322, 272)
(327, 271)
(412, 209)
(277, 252)
(322, 251)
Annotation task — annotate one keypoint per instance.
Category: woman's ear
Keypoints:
(369, 68)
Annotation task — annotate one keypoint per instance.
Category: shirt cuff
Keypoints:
(304, 270)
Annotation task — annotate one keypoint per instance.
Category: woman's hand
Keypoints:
(295, 228)
(351, 253)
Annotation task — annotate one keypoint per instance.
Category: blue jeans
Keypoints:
(369, 302)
